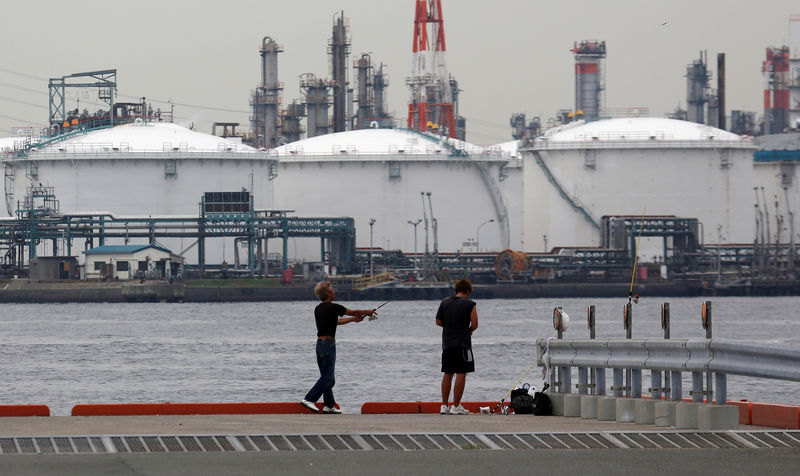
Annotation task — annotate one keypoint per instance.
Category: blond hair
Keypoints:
(323, 290)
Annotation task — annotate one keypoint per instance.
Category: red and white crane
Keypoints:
(431, 106)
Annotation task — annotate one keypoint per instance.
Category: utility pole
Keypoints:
(435, 226)
(415, 223)
(371, 223)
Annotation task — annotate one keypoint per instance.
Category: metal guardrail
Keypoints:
(720, 357)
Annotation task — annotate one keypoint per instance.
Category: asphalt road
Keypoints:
(477, 462)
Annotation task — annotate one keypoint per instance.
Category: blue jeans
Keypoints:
(326, 360)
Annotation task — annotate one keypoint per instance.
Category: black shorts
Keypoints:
(458, 360)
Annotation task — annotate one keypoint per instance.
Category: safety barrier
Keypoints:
(666, 360)
(126, 409)
(380, 408)
(24, 410)
(721, 357)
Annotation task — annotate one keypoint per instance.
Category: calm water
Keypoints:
(64, 354)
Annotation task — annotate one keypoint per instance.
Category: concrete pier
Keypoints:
(357, 444)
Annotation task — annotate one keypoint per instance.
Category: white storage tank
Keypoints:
(380, 174)
(577, 173)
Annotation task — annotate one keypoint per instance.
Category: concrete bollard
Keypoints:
(718, 417)
(557, 403)
(607, 408)
(665, 413)
(645, 412)
(686, 415)
(572, 405)
(625, 410)
(589, 406)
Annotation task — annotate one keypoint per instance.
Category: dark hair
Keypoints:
(463, 286)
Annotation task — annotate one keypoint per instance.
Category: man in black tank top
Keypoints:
(328, 315)
(458, 319)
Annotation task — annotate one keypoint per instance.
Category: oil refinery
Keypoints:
(563, 200)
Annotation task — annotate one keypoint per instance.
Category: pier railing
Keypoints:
(720, 357)
(667, 358)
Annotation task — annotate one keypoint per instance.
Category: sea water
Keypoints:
(65, 354)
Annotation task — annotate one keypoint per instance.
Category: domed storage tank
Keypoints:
(577, 173)
(148, 168)
(380, 174)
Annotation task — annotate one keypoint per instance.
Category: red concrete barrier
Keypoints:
(24, 410)
(375, 408)
(773, 415)
(120, 409)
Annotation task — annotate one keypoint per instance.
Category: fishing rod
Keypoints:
(535, 361)
(636, 255)
(403, 293)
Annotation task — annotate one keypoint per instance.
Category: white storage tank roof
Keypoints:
(376, 142)
(148, 136)
(637, 128)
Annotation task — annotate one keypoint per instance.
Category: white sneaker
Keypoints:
(333, 410)
(458, 410)
(309, 405)
(445, 409)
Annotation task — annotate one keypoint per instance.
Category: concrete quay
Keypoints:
(356, 444)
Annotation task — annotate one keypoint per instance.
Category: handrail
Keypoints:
(561, 191)
(676, 355)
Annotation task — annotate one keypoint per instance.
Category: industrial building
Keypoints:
(421, 189)
(132, 261)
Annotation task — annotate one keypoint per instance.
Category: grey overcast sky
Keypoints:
(508, 55)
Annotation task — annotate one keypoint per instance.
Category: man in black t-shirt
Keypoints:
(458, 318)
(328, 316)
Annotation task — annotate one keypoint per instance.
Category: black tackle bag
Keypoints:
(541, 403)
(522, 402)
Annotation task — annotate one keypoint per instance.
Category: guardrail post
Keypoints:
(564, 372)
(616, 388)
(629, 374)
(676, 387)
(721, 392)
(706, 315)
(659, 390)
(590, 321)
(636, 383)
(583, 381)
(697, 387)
(600, 381)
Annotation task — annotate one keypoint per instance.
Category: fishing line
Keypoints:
(375, 316)
(636, 255)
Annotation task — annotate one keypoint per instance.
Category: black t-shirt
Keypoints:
(327, 316)
(454, 312)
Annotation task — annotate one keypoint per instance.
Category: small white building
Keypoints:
(131, 262)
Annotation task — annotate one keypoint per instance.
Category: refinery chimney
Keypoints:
(365, 99)
(697, 78)
(266, 98)
(316, 94)
(339, 49)
(589, 84)
(776, 90)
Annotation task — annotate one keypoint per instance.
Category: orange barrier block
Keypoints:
(126, 409)
(24, 410)
(777, 416)
(373, 408)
